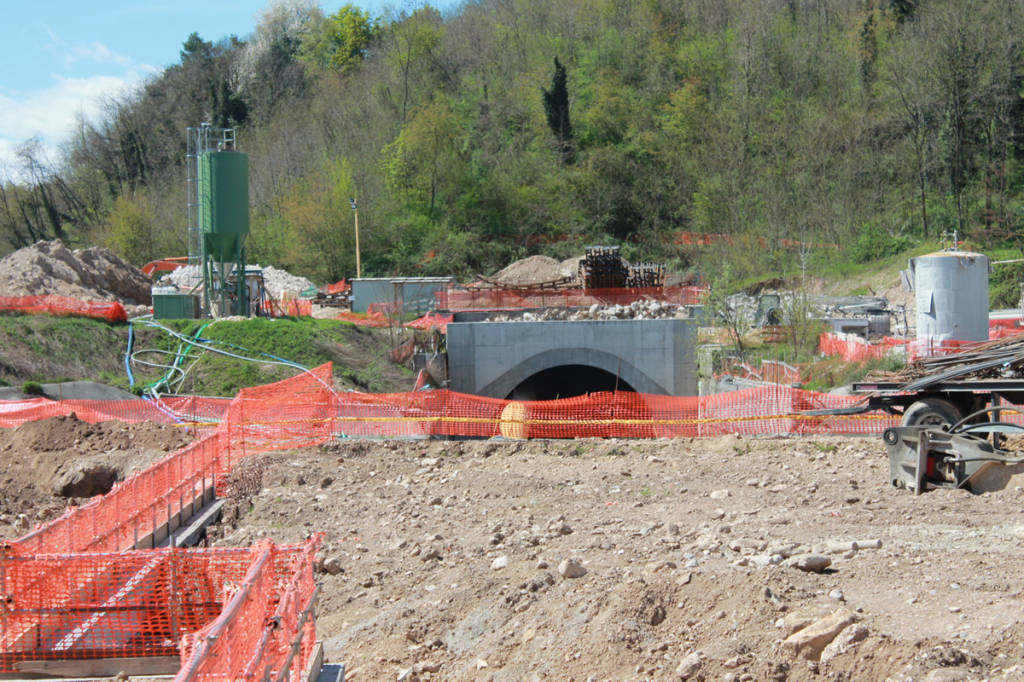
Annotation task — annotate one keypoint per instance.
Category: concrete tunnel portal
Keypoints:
(559, 359)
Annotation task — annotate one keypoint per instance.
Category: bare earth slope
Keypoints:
(442, 559)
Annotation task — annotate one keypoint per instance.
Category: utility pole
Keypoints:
(355, 212)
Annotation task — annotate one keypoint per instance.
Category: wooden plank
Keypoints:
(103, 667)
(316, 661)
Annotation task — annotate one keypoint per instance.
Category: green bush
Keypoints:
(32, 388)
(874, 241)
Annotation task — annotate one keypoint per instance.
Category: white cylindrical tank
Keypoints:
(952, 296)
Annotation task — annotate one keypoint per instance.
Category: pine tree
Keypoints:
(556, 106)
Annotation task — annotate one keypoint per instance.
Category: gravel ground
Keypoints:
(456, 560)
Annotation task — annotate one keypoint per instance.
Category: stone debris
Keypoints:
(689, 666)
(852, 545)
(570, 568)
(277, 282)
(637, 310)
(809, 642)
(844, 641)
(499, 562)
(811, 563)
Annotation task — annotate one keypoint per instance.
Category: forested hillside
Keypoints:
(512, 127)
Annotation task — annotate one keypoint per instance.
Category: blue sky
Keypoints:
(59, 58)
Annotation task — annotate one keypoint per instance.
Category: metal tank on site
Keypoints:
(951, 292)
(223, 188)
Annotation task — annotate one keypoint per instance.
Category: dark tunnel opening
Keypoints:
(566, 381)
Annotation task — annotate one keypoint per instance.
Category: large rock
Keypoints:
(87, 480)
(844, 641)
(809, 642)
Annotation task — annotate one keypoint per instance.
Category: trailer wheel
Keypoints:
(931, 412)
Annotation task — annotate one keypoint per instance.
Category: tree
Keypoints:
(134, 230)
(341, 41)
(556, 108)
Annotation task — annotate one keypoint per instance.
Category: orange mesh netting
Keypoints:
(266, 626)
(73, 606)
(290, 308)
(853, 348)
(15, 412)
(62, 305)
(159, 603)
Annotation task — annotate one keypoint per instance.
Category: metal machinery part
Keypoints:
(924, 457)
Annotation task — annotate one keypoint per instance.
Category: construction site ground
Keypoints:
(442, 559)
(47, 465)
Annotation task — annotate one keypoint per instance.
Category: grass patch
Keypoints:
(359, 355)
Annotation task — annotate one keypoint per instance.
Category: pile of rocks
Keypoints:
(637, 310)
(278, 282)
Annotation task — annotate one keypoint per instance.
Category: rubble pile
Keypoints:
(637, 310)
(277, 282)
(93, 274)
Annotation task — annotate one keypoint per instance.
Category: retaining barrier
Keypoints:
(62, 305)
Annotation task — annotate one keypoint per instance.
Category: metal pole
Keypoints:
(359, 263)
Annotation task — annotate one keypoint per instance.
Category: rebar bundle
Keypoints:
(602, 267)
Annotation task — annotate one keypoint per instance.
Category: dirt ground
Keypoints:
(49, 464)
(442, 560)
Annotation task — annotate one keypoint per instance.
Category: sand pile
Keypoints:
(93, 274)
(535, 270)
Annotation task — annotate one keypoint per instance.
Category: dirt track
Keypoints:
(677, 539)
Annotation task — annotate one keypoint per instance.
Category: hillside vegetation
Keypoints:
(512, 127)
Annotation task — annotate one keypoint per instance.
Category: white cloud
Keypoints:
(72, 53)
(49, 114)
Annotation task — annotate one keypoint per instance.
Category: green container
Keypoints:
(223, 203)
(175, 306)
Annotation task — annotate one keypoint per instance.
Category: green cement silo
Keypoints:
(224, 225)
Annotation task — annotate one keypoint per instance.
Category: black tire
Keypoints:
(931, 412)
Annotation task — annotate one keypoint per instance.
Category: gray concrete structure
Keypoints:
(652, 356)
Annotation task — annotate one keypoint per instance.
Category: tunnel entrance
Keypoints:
(566, 381)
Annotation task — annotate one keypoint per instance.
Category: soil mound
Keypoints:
(536, 269)
(47, 463)
(93, 274)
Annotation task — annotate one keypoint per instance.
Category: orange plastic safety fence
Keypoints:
(764, 410)
(853, 348)
(364, 320)
(267, 625)
(293, 413)
(291, 308)
(465, 299)
(16, 412)
(432, 321)
(195, 408)
(111, 311)
(110, 605)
